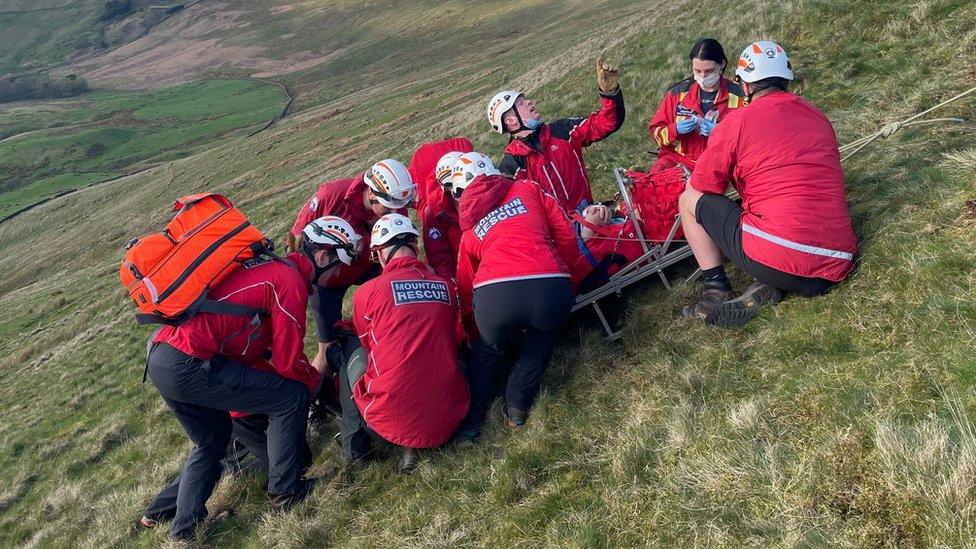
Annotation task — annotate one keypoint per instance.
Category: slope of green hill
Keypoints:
(839, 421)
(47, 147)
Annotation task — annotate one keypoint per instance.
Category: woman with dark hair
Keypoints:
(693, 107)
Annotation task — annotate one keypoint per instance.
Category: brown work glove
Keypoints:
(607, 77)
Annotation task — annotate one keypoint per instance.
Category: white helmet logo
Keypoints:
(770, 53)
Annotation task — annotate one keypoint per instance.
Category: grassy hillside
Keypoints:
(843, 420)
(48, 147)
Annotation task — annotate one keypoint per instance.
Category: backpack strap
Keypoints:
(204, 306)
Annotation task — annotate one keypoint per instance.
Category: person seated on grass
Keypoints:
(216, 363)
(792, 232)
(552, 153)
(386, 187)
(691, 108)
(403, 383)
(515, 278)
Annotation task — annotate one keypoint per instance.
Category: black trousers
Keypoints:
(355, 435)
(200, 394)
(720, 217)
(247, 453)
(531, 310)
(327, 305)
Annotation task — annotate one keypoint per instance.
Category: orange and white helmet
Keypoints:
(443, 170)
(332, 233)
(763, 59)
(501, 103)
(391, 183)
(467, 168)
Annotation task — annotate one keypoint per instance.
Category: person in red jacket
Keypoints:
(517, 247)
(403, 384)
(552, 153)
(217, 363)
(439, 218)
(692, 108)
(792, 231)
(432, 163)
(423, 165)
(384, 188)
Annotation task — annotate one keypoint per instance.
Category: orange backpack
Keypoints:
(169, 274)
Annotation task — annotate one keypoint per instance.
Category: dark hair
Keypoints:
(776, 82)
(708, 49)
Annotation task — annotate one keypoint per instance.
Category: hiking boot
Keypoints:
(283, 502)
(515, 418)
(712, 296)
(739, 311)
(408, 461)
(147, 523)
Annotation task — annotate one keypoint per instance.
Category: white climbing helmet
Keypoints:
(763, 59)
(467, 168)
(444, 167)
(389, 227)
(391, 183)
(498, 106)
(332, 233)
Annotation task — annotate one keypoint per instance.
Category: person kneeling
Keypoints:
(792, 232)
(403, 384)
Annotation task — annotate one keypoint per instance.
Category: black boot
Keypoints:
(712, 296)
(739, 311)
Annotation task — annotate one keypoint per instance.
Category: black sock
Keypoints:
(715, 277)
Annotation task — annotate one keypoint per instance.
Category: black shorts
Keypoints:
(720, 216)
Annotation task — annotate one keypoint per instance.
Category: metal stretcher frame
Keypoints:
(657, 256)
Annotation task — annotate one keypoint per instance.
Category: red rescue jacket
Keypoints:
(679, 103)
(553, 154)
(436, 211)
(781, 155)
(276, 343)
(442, 235)
(342, 198)
(412, 394)
(424, 161)
(513, 231)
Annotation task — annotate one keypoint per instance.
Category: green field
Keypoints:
(50, 147)
(845, 420)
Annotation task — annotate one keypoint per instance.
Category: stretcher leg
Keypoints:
(611, 335)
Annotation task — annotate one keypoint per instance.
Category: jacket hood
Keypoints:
(481, 197)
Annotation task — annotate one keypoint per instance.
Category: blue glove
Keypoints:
(706, 126)
(686, 125)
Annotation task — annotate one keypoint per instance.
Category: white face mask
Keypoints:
(708, 81)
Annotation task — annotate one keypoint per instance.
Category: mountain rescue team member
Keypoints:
(793, 231)
(384, 188)
(439, 218)
(512, 270)
(215, 363)
(422, 166)
(552, 154)
(691, 109)
(248, 438)
(404, 383)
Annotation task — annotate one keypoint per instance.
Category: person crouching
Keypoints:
(403, 384)
(513, 272)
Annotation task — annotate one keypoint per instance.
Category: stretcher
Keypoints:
(657, 256)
